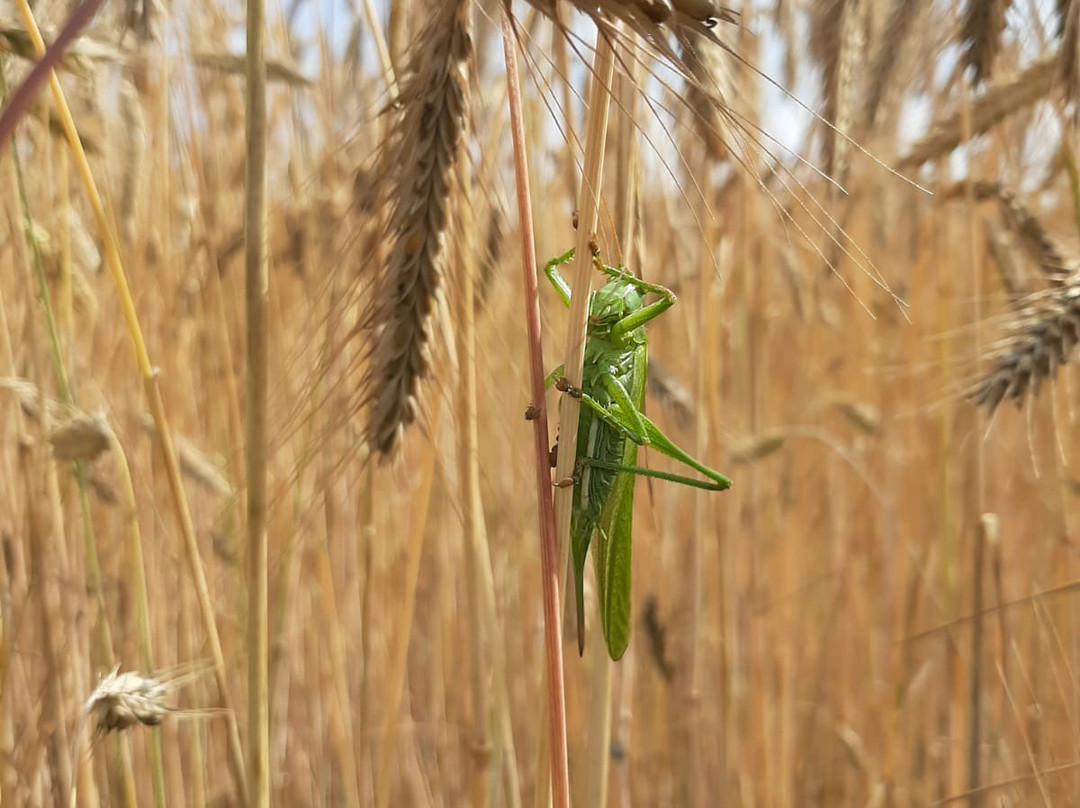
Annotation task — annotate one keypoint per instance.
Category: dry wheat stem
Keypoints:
(601, 669)
(1024, 732)
(340, 718)
(136, 569)
(424, 147)
(53, 558)
(1011, 782)
(481, 631)
(398, 656)
(477, 563)
(581, 281)
(977, 453)
(256, 298)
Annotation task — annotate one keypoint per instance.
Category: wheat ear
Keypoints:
(826, 45)
(980, 31)
(1062, 10)
(424, 146)
(1045, 333)
(1046, 329)
(1032, 235)
(988, 109)
(713, 71)
(1069, 57)
(887, 55)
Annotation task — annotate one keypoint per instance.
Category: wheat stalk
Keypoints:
(980, 31)
(424, 147)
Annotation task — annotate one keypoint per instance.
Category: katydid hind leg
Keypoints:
(664, 444)
(720, 483)
(632, 415)
(582, 535)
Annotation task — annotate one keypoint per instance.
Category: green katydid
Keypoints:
(611, 427)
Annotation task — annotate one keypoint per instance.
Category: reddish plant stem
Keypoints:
(548, 567)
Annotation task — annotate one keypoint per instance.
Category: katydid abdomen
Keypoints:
(604, 498)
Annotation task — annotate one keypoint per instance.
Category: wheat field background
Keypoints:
(839, 349)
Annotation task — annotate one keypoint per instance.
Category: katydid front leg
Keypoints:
(551, 269)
